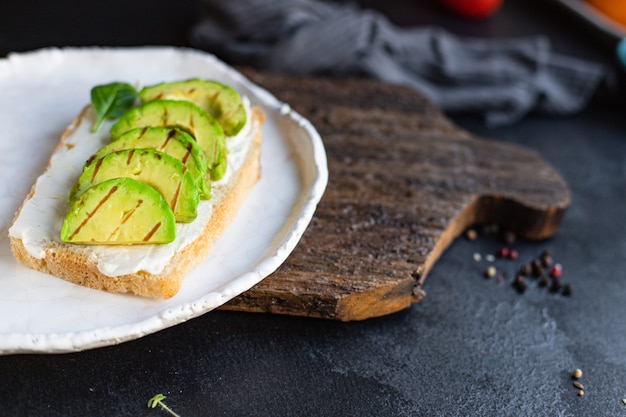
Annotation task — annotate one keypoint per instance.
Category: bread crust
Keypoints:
(73, 262)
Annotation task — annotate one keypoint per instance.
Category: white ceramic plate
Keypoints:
(40, 93)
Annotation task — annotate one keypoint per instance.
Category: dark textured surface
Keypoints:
(471, 347)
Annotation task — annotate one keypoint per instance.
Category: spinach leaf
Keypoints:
(111, 101)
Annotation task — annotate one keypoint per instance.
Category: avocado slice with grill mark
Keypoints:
(119, 211)
(171, 141)
(183, 115)
(163, 172)
(219, 100)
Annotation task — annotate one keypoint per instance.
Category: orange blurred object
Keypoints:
(473, 9)
(613, 9)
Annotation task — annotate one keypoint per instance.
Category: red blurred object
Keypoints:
(473, 9)
(556, 271)
(503, 252)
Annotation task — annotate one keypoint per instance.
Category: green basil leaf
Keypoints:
(111, 101)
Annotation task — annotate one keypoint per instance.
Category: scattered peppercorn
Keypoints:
(542, 267)
(536, 268)
(544, 281)
(490, 272)
(581, 393)
(546, 260)
(577, 374)
(556, 271)
(567, 290)
(471, 234)
(555, 286)
(519, 283)
(525, 270)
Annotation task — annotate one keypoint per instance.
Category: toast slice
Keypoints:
(97, 267)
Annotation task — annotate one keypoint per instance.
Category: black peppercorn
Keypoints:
(567, 290)
(537, 268)
(546, 260)
(546, 252)
(519, 283)
(555, 286)
(525, 270)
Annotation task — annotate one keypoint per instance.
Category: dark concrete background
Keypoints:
(472, 347)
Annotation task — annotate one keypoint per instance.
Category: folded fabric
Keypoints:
(502, 79)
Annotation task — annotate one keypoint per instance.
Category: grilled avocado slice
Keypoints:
(119, 211)
(219, 100)
(171, 141)
(162, 172)
(183, 115)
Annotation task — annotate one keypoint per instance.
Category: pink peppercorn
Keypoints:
(503, 252)
(556, 271)
(513, 254)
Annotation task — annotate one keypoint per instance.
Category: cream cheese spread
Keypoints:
(39, 222)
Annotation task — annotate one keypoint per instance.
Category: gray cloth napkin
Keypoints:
(501, 79)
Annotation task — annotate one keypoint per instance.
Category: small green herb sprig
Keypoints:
(111, 101)
(158, 400)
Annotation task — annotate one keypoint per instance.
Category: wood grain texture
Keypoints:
(404, 182)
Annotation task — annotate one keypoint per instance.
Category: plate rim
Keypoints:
(74, 341)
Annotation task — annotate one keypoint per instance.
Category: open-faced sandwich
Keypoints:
(144, 182)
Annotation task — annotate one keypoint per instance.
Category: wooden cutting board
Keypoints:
(404, 182)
